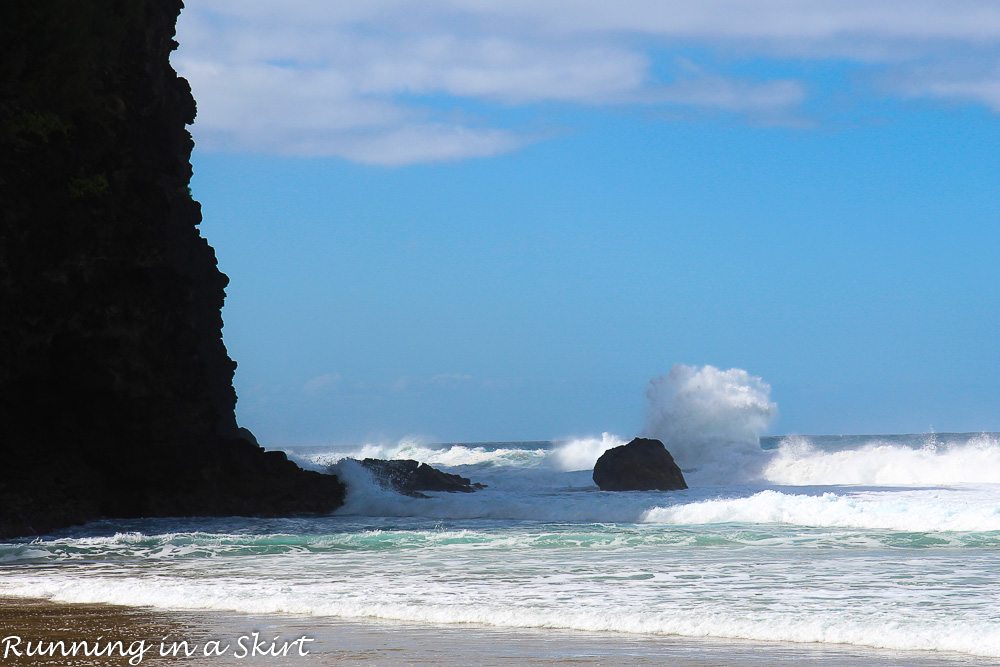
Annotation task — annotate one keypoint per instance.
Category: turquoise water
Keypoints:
(888, 541)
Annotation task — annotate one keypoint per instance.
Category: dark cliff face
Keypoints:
(116, 394)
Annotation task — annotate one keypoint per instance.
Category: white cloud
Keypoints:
(450, 379)
(438, 381)
(422, 142)
(983, 90)
(501, 69)
(777, 20)
(964, 85)
(320, 383)
(398, 81)
(724, 94)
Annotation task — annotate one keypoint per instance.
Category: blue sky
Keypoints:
(485, 221)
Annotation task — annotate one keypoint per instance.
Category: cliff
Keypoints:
(116, 394)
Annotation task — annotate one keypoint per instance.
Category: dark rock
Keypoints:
(410, 477)
(642, 465)
(246, 434)
(116, 395)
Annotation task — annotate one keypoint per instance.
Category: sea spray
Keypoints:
(451, 454)
(582, 453)
(711, 421)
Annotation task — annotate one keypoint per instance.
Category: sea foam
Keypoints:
(798, 461)
(924, 511)
(829, 623)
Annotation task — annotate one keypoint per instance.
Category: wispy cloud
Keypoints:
(450, 379)
(320, 383)
(396, 82)
(723, 94)
(961, 84)
(437, 381)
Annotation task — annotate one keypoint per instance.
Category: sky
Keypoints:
(482, 221)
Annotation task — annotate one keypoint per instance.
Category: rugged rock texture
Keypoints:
(410, 477)
(642, 465)
(116, 394)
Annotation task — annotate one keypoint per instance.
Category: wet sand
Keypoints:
(378, 643)
(33, 620)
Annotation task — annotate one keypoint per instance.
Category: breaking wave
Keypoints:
(964, 460)
(855, 626)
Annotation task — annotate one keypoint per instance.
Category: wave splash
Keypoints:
(582, 453)
(914, 511)
(819, 500)
(890, 461)
(973, 460)
(448, 455)
(711, 420)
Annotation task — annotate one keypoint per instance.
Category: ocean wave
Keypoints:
(657, 533)
(858, 627)
(923, 511)
(798, 461)
(436, 455)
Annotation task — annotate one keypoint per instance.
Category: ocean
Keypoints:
(880, 542)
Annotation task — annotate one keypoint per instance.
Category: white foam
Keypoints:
(582, 453)
(799, 462)
(914, 511)
(536, 494)
(545, 486)
(440, 455)
(689, 618)
(544, 494)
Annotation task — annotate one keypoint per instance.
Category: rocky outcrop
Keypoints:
(116, 394)
(642, 465)
(410, 477)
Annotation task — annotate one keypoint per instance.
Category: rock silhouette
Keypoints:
(116, 395)
(642, 465)
(410, 477)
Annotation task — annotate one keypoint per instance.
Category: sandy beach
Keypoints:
(336, 642)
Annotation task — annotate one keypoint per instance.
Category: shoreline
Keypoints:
(376, 642)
